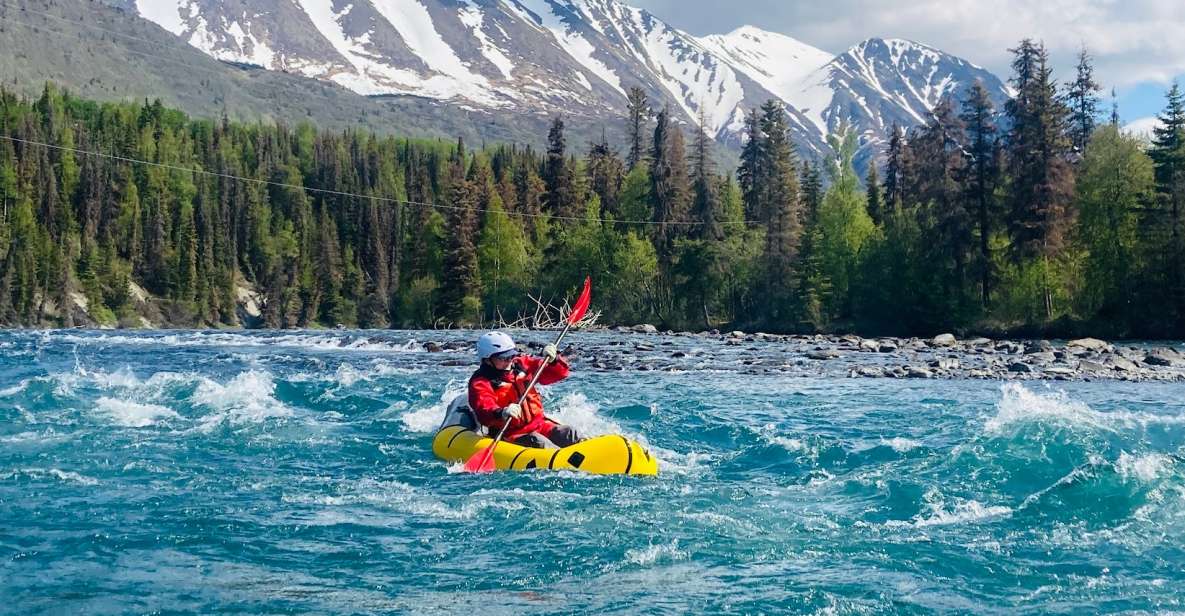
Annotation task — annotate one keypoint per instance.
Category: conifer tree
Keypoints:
(1168, 154)
(751, 175)
(1083, 101)
(872, 190)
(1041, 179)
(982, 176)
(606, 174)
(669, 190)
(459, 299)
(706, 200)
(638, 107)
(896, 160)
(784, 218)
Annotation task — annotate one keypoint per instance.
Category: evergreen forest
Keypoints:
(1043, 217)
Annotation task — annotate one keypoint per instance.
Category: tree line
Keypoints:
(1039, 216)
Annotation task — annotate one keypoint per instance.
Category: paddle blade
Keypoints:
(582, 303)
(482, 461)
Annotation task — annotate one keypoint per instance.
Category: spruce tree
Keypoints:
(1041, 199)
(669, 190)
(872, 190)
(896, 160)
(784, 216)
(557, 200)
(706, 201)
(982, 176)
(606, 175)
(1168, 154)
(459, 299)
(639, 111)
(1083, 101)
(751, 173)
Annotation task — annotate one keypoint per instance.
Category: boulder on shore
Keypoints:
(1090, 344)
(944, 340)
(645, 328)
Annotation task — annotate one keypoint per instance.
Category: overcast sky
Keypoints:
(1139, 45)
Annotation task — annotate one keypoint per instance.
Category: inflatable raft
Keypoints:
(458, 439)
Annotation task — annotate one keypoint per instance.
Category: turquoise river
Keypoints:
(291, 472)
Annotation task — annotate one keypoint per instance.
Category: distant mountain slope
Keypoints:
(99, 51)
(481, 69)
(576, 57)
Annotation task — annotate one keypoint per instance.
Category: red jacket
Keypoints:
(492, 390)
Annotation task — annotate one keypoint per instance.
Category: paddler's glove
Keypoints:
(514, 411)
(550, 353)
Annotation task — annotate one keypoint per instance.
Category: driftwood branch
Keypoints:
(547, 315)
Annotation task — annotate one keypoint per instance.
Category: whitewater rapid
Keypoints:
(233, 472)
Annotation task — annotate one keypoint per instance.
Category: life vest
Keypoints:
(491, 390)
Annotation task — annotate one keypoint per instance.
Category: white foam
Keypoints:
(577, 411)
(793, 445)
(901, 444)
(247, 398)
(8, 392)
(60, 475)
(1019, 405)
(428, 419)
(655, 553)
(1147, 467)
(963, 511)
(403, 498)
(134, 414)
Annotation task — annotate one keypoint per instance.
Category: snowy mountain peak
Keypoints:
(538, 58)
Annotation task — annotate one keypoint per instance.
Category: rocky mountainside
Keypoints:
(104, 53)
(483, 69)
(577, 57)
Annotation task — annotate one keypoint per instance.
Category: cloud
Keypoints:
(1142, 127)
(1132, 41)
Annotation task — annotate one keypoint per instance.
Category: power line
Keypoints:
(338, 193)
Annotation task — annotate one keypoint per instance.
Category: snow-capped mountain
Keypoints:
(576, 57)
(880, 82)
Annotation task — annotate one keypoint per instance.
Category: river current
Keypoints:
(291, 472)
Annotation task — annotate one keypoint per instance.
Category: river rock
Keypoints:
(1090, 344)
(1007, 346)
(871, 372)
(915, 372)
(980, 342)
(1039, 346)
(643, 347)
(945, 363)
(824, 354)
(1041, 357)
(1162, 357)
(433, 347)
(886, 346)
(944, 340)
(645, 328)
(1060, 371)
(1123, 364)
(1020, 367)
(869, 345)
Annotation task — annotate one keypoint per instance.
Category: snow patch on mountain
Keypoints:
(166, 13)
(776, 61)
(542, 14)
(472, 17)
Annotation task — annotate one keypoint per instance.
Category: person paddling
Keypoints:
(497, 386)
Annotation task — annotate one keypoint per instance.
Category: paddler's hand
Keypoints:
(514, 411)
(550, 353)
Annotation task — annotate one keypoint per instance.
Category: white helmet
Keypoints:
(494, 343)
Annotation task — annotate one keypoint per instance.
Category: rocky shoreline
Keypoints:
(643, 348)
